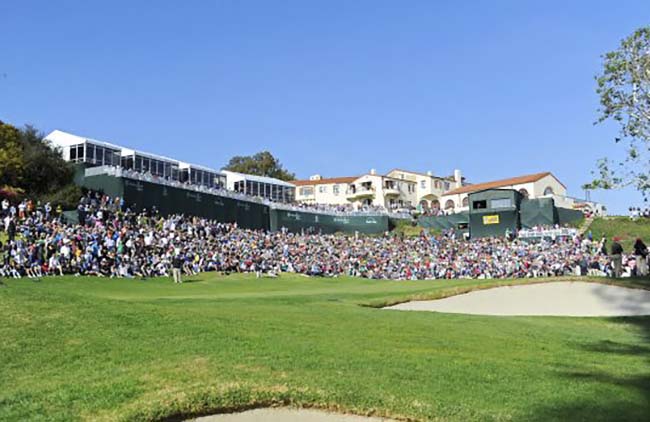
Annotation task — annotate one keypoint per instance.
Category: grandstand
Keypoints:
(147, 181)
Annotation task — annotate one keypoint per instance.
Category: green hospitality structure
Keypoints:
(493, 212)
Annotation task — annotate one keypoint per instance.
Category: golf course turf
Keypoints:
(75, 348)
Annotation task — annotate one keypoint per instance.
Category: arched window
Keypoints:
(466, 201)
(424, 205)
(523, 192)
(435, 204)
(548, 191)
(449, 204)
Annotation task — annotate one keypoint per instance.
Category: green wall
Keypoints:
(251, 215)
(297, 221)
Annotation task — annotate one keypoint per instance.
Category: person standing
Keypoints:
(640, 255)
(617, 257)
(11, 230)
(177, 264)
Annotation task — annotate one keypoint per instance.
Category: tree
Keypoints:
(11, 158)
(29, 166)
(261, 164)
(624, 90)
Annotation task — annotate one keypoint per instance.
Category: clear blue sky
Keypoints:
(495, 88)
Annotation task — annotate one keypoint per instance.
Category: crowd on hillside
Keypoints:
(111, 240)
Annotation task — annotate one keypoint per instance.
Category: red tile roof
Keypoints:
(329, 181)
(529, 178)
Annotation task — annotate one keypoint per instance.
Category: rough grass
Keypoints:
(98, 349)
(627, 229)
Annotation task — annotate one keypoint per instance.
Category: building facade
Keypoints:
(532, 186)
(395, 190)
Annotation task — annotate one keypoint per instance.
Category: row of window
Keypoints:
(309, 190)
(437, 184)
(265, 190)
(94, 154)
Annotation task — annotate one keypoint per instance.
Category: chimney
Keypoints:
(429, 173)
(373, 171)
(315, 177)
(458, 177)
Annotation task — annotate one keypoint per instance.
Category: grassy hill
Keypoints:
(627, 229)
(99, 349)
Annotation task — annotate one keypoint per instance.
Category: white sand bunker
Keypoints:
(286, 415)
(557, 299)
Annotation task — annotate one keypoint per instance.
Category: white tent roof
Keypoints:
(64, 139)
(261, 179)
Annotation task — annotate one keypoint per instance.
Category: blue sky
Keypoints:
(495, 88)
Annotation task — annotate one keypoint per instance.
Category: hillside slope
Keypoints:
(623, 227)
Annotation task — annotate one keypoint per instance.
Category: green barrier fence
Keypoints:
(299, 221)
(537, 212)
(566, 215)
(168, 200)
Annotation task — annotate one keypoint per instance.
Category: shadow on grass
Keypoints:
(635, 404)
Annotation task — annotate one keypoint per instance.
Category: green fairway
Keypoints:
(99, 349)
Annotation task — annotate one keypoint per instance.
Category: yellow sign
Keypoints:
(490, 219)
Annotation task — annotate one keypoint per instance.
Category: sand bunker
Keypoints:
(286, 415)
(557, 299)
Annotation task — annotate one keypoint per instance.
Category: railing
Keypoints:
(134, 175)
(547, 233)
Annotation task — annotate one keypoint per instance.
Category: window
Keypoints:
(322, 189)
(548, 191)
(99, 155)
(466, 201)
(501, 203)
(523, 193)
(479, 205)
(423, 184)
(90, 153)
(438, 184)
(73, 153)
(335, 189)
(306, 191)
(435, 204)
(449, 204)
(447, 185)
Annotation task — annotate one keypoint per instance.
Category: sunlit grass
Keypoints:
(100, 349)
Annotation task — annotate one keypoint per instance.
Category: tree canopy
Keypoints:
(30, 167)
(260, 164)
(624, 91)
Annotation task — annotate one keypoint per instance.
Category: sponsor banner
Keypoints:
(490, 219)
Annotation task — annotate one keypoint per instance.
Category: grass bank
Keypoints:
(98, 349)
(623, 227)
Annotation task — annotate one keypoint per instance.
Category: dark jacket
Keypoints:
(617, 249)
(640, 249)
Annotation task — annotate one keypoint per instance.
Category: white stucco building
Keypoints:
(533, 186)
(396, 189)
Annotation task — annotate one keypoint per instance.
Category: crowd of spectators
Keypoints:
(636, 213)
(111, 240)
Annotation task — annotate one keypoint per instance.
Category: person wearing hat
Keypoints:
(617, 257)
